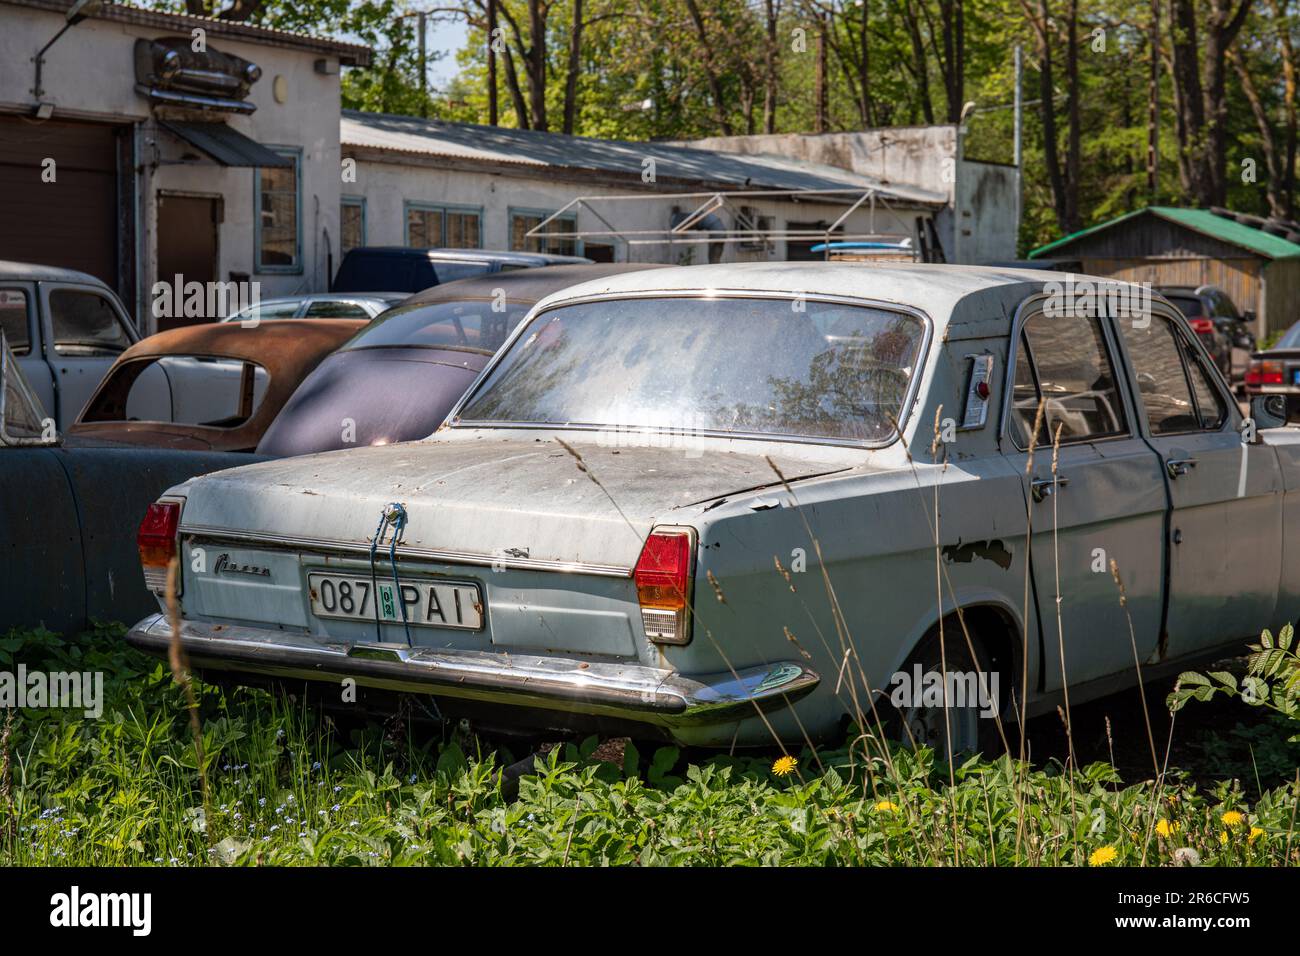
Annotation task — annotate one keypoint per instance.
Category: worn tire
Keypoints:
(972, 731)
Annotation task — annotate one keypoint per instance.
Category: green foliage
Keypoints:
(289, 786)
(1272, 680)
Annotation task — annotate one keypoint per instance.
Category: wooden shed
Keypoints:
(1166, 245)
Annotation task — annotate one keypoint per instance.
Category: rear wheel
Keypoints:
(924, 716)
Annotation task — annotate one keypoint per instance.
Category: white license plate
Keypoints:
(428, 603)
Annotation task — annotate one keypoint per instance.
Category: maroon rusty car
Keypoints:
(214, 387)
(397, 378)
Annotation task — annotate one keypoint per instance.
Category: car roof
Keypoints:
(984, 292)
(34, 272)
(526, 284)
(287, 349)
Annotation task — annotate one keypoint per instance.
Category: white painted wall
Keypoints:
(386, 186)
(90, 75)
(982, 221)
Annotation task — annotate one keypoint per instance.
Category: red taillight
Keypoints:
(1202, 326)
(663, 581)
(1264, 373)
(156, 541)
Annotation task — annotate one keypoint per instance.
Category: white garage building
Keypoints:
(431, 182)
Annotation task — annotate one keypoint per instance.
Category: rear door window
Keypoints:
(14, 322)
(1165, 370)
(85, 323)
(1064, 364)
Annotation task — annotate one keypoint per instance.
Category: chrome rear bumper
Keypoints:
(630, 691)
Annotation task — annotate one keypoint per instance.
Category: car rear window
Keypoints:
(1189, 305)
(1290, 339)
(734, 366)
(386, 272)
(480, 324)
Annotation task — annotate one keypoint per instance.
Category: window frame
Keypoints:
(360, 203)
(1186, 349)
(296, 267)
(920, 373)
(1009, 430)
(442, 208)
(33, 343)
(47, 291)
(542, 215)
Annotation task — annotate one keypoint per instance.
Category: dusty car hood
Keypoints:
(483, 497)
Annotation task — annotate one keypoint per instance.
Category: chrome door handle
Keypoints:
(1179, 466)
(1042, 488)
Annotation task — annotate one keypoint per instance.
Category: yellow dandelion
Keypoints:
(1233, 818)
(1254, 832)
(1223, 837)
(1102, 855)
(784, 766)
(1165, 828)
(886, 806)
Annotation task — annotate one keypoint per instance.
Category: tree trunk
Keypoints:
(492, 62)
(516, 94)
(575, 60)
(710, 71)
(819, 79)
(1272, 166)
(536, 63)
(1153, 107)
(1222, 31)
(1073, 149)
(770, 14)
(920, 67)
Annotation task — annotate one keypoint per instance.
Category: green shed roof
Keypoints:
(1198, 220)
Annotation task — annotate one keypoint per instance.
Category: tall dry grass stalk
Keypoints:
(9, 826)
(180, 667)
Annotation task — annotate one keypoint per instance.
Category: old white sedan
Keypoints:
(723, 505)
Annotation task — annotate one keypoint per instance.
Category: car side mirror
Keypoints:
(1268, 411)
(1248, 316)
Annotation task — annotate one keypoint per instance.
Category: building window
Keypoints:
(524, 220)
(352, 223)
(279, 225)
(451, 227)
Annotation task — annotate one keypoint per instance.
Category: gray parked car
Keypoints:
(723, 505)
(321, 305)
(65, 328)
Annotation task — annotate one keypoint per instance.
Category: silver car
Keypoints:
(323, 305)
(728, 505)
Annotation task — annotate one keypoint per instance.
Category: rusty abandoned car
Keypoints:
(69, 507)
(216, 386)
(700, 504)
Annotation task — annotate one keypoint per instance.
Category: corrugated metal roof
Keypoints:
(1198, 220)
(499, 144)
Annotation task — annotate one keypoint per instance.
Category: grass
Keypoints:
(290, 786)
